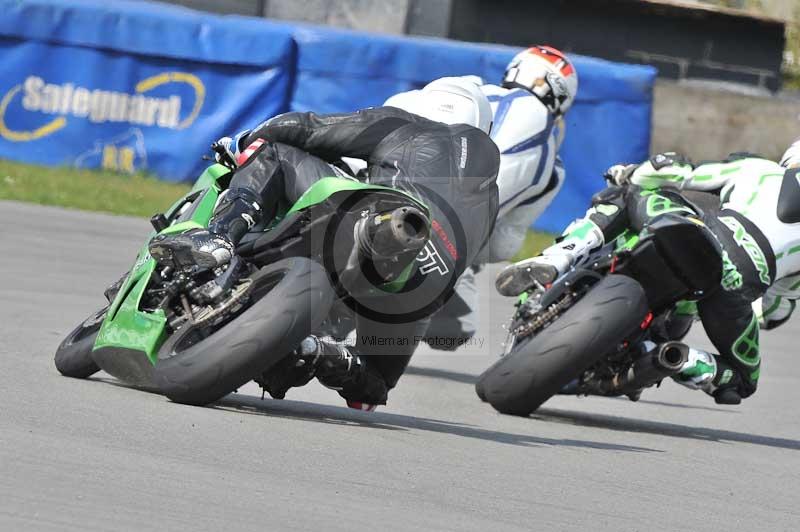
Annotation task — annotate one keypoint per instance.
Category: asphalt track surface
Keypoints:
(98, 455)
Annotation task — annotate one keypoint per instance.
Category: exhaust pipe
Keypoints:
(386, 235)
(385, 244)
(664, 361)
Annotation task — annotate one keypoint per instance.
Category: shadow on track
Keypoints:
(103, 379)
(336, 415)
(382, 420)
(464, 378)
(683, 406)
(658, 428)
(467, 378)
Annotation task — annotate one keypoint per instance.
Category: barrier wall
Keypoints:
(133, 85)
(139, 85)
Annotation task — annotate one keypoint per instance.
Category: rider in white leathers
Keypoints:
(539, 86)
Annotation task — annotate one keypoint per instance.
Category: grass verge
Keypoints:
(534, 243)
(136, 195)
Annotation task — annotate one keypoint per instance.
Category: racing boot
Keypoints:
(295, 370)
(709, 373)
(339, 369)
(730, 385)
(580, 238)
(213, 247)
(333, 365)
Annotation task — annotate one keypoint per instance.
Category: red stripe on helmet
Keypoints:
(544, 54)
(554, 56)
(554, 51)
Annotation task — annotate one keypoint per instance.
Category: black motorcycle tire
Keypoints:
(539, 368)
(480, 389)
(74, 356)
(298, 299)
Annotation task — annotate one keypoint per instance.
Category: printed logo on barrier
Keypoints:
(121, 153)
(98, 106)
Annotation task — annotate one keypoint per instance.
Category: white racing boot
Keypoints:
(580, 238)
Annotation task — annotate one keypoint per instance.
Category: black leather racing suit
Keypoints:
(452, 169)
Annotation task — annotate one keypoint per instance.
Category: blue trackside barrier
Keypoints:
(133, 85)
(138, 85)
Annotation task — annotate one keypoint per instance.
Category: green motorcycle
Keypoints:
(609, 326)
(197, 335)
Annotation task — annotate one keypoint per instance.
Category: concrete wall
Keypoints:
(788, 10)
(429, 17)
(253, 8)
(782, 9)
(708, 123)
(383, 16)
(682, 41)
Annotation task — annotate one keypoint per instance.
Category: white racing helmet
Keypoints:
(791, 159)
(450, 101)
(548, 74)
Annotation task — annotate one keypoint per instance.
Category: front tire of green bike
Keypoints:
(293, 297)
(74, 356)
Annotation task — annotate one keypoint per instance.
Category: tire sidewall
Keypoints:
(539, 367)
(74, 358)
(252, 342)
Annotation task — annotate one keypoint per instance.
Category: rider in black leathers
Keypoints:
(450, 168)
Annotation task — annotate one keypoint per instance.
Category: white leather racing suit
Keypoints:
(531, 174)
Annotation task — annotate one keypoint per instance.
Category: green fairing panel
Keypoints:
(327, 186)
(209, 178)
(125, 325)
